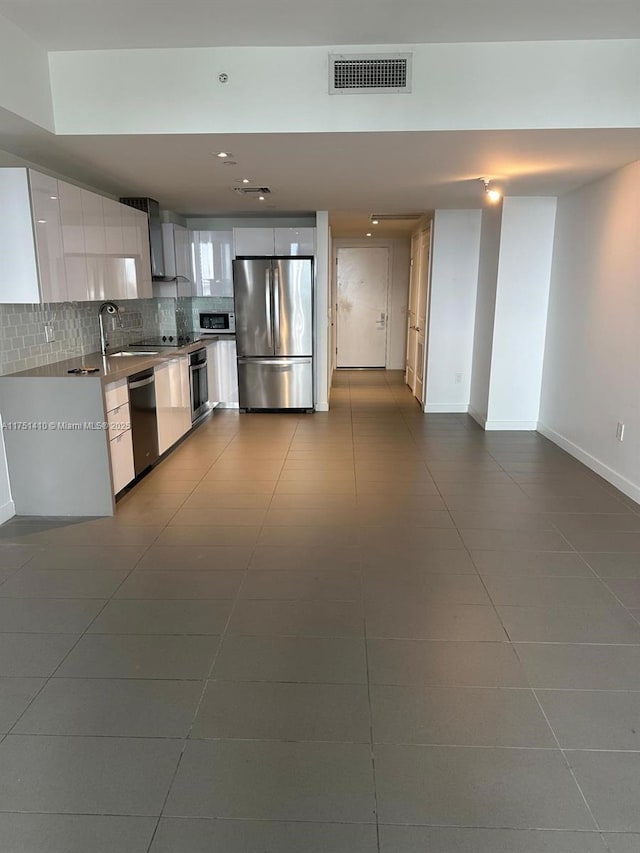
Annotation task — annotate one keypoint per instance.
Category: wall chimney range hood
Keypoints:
(151, 207)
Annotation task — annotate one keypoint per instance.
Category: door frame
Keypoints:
(358, 243)
(423, 278)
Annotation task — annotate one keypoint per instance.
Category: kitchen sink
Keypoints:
(133, 352)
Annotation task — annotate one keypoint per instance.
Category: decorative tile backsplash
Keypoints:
(75, 325)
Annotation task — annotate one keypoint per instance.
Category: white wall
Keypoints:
(520, 320)
(322, 317)
(24, 76)
(285, 89)
(454, 283)
(485, 312)
(399, 259)
(592, 358)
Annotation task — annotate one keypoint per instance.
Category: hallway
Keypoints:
(365, 631)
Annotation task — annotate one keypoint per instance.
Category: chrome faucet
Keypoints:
(114, 310)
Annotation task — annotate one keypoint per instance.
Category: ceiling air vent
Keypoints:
(396, 217)
(371, 73)
(252, 191)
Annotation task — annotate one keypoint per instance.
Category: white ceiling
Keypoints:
(98, 24)
(350, 174)
(347, 173)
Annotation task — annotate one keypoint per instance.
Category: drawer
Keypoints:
(116, 394)
(119, 420)
(122, 468)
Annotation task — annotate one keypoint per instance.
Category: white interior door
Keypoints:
(362, 295)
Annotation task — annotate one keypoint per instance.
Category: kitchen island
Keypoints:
(67, 435)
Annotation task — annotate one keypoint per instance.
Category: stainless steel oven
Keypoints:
(221, 322)
(199, 385)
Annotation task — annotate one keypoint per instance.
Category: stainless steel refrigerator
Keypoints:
(274, 332)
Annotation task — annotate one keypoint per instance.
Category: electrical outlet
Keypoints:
(458, 379)
(620, 431)
(49, 334)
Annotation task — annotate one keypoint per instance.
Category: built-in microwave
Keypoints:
(217, 323)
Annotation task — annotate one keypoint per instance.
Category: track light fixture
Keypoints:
(493, 194)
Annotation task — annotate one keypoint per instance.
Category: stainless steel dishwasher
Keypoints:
(144, 422)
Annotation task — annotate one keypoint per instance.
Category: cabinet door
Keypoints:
(17, 250)
(295, 241)
(213, 252)
(185, 393)
(182, 247)
(95, 246)
(254, 241)
(75, 260)
(172, 401)
(122, 466)
(227, 374)
(116, 273)
(48, 234)
(143, 265)
(212, 373)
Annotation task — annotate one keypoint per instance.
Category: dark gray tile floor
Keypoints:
(367, 631)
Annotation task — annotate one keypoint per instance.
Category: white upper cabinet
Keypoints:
(176, 249)
(75, 257)
(254, 241)
(143, 254)
(48, 237)
(213, 260)
(295, 241)
(17, 246)
(274, 241)
(98, 284)
(61, 243)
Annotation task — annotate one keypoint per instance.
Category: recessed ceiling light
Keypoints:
(246, 181)
(260, 198)
(222, 154)
(53, 197)
(368, 234)
(375, 221)
(42, 221)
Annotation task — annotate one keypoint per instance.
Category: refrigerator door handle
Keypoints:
(276, 308)
(267, 296)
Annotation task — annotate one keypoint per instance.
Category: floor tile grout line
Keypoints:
(204, 682)
(366, 655)
(79, 638)
(567, 763)
(207, 679)
(601, 580)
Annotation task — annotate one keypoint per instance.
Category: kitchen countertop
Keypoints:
(110, 369)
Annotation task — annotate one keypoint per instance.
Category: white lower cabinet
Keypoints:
(173, 401)
(222, 374)
(116, 397)
(122, 469)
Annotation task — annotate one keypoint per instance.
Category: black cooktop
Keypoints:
(170, 340)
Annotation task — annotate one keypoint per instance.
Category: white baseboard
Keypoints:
(632, 490)
(511, 425)
(478, 418)
(322, 407)
(7, 511)
(446, 408)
